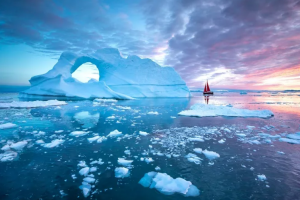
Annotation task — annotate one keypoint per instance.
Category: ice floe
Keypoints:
(32, 104)
(122, 172)
(84, 171)
(209, 110)
(53, 143)
(7, 126)
(78, 133)
(211, 155)
(122, 161)
(114, 134)
(167, 185)
(262, 177)
(143, 133)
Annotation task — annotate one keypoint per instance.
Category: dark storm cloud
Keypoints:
(61, 25)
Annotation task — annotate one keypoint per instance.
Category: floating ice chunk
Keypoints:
(280, 152)
(221, 141)
(153, 113)
(111, 117)
(149, 160)
(241, 135)
(211, 155)
(105, 100)
(289, 140)
(198, 150)
(167, 185)
(74, 176)
(18, 145)
(84, 171)
(53, 143)
(196, 139)
(93, 169)
(114, 134)
(86, 189)
(127, 152)
(78, 133)
(7, 126)
(294, 136)
(193, 158)
(262, 177)
(89, 180)
(59, 131)
(124, 107)
(81, 164)
(101, 139)
(121, 172)
(31, 104)
(122, 161)
(8, 156)
(99, 162)
(93, 139)
(143, 133)
(157, 168)
(205, 110)
(39, 142)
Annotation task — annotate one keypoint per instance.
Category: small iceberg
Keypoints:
(167, 185)
(53, 143)
(204, 110)
(211, 155)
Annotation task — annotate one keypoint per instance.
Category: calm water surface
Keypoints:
(46, 173)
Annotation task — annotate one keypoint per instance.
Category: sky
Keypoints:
(235, 44)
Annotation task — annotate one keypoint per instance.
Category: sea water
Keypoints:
(251, 163)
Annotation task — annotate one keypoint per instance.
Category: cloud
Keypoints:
(233, 43)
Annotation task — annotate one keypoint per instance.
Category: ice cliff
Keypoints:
(120, 78)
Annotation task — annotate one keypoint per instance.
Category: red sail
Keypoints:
(208, 90)
(205, 88)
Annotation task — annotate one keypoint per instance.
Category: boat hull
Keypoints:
(208, 93)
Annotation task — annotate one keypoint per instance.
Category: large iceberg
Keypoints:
(120, 78)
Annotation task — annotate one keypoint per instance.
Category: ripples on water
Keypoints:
(44, 173)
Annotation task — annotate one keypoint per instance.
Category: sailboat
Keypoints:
(207, 90)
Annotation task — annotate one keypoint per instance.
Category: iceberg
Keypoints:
(168, 185)
(120, 78)
(205, 110)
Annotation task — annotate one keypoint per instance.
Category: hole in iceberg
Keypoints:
(86, 72)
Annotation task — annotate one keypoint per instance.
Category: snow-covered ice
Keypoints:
(140, 78)
(209, 110)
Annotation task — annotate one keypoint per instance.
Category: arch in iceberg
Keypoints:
(121, 78)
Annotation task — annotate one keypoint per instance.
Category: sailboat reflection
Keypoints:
(206, 98)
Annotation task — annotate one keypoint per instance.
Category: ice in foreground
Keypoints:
(140, 78)
(32, 104)
(7, 126)
(168, 185)
(204, 110)
(121, 172)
